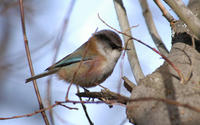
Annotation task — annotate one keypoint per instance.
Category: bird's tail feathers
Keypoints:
(42, 75)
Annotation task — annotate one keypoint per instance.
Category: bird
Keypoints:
(93, 62)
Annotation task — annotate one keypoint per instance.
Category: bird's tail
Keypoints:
(42, 75)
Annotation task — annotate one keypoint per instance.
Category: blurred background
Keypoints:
(45, 25)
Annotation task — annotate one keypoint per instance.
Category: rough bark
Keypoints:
(164, 83)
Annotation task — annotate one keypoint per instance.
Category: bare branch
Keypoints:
(39, 111)
(128, 84)
(30, 62)
(29, 115)
(185, 15)
(124, 25)
(84, 108)
(152, 28)
(57, 44)
(166, 14)
(117, 98)
(107, 97)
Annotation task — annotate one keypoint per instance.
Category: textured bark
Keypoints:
(164, 83)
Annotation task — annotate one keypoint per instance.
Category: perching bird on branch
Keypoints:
(91, 63)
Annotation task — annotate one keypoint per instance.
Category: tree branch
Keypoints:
(185, 15)
(166, 14)
(124, 25)
(57, 45)
(30, 61)
(107, 95)
(152, 28)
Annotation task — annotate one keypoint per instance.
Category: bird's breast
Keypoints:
(88, 73)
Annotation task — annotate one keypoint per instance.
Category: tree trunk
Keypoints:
(165, 83)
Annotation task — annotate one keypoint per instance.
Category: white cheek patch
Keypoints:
(111, 57)
(109, 53)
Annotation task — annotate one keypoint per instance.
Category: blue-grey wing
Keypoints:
(68, 60)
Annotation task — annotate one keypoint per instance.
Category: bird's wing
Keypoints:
(76, 56)
(70, 59)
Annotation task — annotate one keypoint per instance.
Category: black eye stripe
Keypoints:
(103, 37)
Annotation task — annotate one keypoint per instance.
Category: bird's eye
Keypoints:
(109, 41)
(115, 46)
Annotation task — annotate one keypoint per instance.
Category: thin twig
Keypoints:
(67, 106)
(132, 55)
(166, 14)
(121, 70)
(109, 98)
(29, 115)
(50, 107)
(84, 107)
(78, 91)
(49, 87)
(121, 66)
(152, 28)
(30, 62)
(39, 111)
(182, 79)
(76, 71)
(57, 45)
